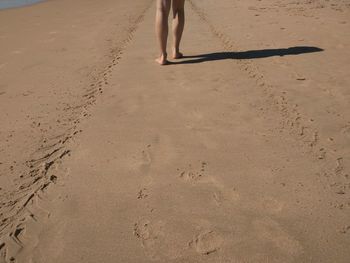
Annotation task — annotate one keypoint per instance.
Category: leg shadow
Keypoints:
(251, 54)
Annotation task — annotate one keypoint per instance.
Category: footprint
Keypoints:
(345, 230)
(146, 160)
(339, 166)
(272, 205)
(146, 155)
(142, 194)
(191, 176)
(151, 236)
(140, 159)
(161, 240)
(221, 196)
(141, 230)
(149, 233)
(271, 231)
(207, 242)
(194, 174)
(346, 130)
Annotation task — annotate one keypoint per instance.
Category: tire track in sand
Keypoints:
(20, 208)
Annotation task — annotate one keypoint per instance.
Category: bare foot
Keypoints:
(162, 60)
(177, 55)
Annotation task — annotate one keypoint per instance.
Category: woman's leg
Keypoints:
(163, 9)
(178, 25)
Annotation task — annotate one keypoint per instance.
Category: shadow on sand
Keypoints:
(251, 54)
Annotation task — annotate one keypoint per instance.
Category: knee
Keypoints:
(163, 7)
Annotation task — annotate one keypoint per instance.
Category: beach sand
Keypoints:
(240, 152)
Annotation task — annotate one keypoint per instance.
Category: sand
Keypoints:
(237, 153)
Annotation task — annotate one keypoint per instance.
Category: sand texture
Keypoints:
(239, 152)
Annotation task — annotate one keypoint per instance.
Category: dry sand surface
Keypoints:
(240, 152)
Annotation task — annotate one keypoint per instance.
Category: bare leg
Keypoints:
(162, 28)
(178, 26)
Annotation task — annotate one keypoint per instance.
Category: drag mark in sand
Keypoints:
(17, 205)
(293, 121)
